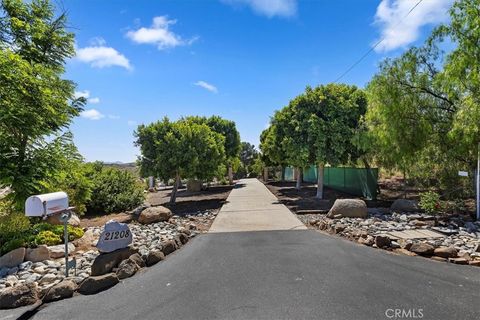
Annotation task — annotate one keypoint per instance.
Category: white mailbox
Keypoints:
(46, 204)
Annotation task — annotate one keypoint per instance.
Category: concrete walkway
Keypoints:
(252, 207)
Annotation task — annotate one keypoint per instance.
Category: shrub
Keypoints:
(73, 232)
(47, 237)
(16, 232)
(12, 245)
(42, 226)
(113, 190)
(13, 226)
(74, 181)
(6, 207)
(430, 202)
(223, 181)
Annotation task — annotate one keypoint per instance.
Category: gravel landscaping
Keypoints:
(151, 242)
(458, 239)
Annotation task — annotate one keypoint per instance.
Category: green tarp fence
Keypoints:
(289, 173)
(356, 181)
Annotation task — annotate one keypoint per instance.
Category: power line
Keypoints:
(376, 44)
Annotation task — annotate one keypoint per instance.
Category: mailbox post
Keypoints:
(45, 205)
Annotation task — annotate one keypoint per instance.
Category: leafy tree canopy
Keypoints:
(248, 153)
(318, 126)
(424, 107)
(183, 148)
(36, 103)
(226, 128)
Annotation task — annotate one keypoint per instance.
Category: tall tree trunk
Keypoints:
(265, 174)
(320, 181)
(173, 195)
(299, 179)
(230, 174)
(283, 173)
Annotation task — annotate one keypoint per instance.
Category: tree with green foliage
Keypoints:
(36, 104)
(248, 154)
(319, 126)
(291, 136)
(272, 153)
(424, 106)
(332, 115)
(179, 149)
(70, 174)
(228, 130)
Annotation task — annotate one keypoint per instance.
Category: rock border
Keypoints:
(427, 247)
(152, 244)
(118, 269)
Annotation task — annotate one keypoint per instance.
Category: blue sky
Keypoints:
(138, 61)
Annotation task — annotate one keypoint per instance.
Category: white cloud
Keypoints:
(82, 94)
(100, 56)
(112, 116)
(206, 86)
(398, 30)
(92, 114)
(132, 123)
(159, 34)
(86, 94)
(94, 100)
(269, 8)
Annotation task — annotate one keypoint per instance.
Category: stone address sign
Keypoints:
(115, 236)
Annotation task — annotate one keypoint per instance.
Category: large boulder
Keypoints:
(105, 262)
(62, 290)
(422, 249)
(18, 296)
(194, 185)
(13, 258)
(37, 254)
(114, 236)
(55, 219)
(154, 214)
(350, 208)
(58, 251)
(404, 205)
(94, 284)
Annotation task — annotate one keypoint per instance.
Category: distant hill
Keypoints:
(130, 166)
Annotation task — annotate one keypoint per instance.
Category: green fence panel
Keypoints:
(310, 174)
(356, 181)
(289, 173)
